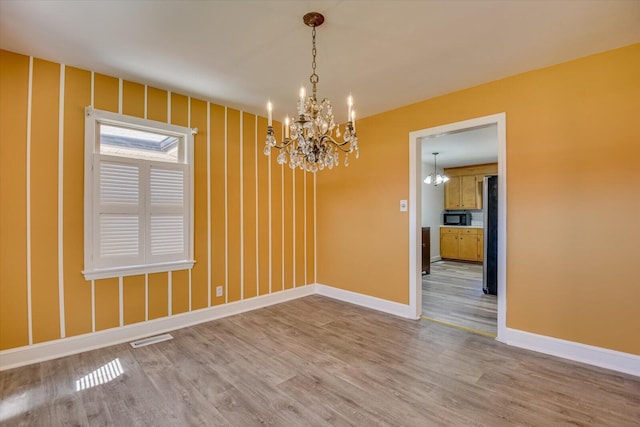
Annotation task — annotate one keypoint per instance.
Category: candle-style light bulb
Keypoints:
(353, 119)
(301, 103)
(269, 115)
(349, 105)
(303, 92)
(286, 127)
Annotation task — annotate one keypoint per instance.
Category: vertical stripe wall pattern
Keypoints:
(254, 220)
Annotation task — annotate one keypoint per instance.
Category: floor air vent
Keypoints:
(151, 340)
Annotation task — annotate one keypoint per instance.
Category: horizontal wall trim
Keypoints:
(597, 356)
(379, 304)
(134, 270)
(41, 352)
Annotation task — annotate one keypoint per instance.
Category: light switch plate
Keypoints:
(218, 291)
(403, 205)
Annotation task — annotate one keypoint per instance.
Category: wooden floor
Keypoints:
(316, 361)
(452, 293)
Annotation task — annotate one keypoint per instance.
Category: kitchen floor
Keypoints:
(453, 294)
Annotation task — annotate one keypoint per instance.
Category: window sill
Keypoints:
(132, 270)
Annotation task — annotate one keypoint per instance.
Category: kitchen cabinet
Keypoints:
(449, 243)
(468, 244)
(479, 180)
(469, 194)
(464, 188)
(452, 193)
(465, 244)
(462, 192)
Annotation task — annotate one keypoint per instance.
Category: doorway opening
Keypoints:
(459, 229)
(416, 139)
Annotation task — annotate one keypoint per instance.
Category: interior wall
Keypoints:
(432, 207)
(254, 219)
(572, 166)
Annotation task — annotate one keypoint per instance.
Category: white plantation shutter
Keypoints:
(119, 183)
(138, 196)
(166, 186)
(167, 234)
(118, 210)
(119, 235)
(167, 212)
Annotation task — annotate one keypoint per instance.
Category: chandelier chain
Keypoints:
(313, 78)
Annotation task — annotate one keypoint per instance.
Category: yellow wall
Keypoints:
(573, 178)
(39, 266)
(572, 153)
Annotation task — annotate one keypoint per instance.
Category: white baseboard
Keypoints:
(598, 356)
(64, 347)
(13, 358)
(390, 307)
(435, 258)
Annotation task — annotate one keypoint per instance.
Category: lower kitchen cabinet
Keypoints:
(449, 243)
(468, 246)
(464, 244)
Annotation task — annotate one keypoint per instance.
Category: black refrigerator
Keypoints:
(490, 211)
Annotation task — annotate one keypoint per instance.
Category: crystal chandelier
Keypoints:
(309, 142)
(435, 178)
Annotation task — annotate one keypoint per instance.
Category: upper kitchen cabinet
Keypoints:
(469, 196)
(464, 188)
(452, 192)
(461, 192)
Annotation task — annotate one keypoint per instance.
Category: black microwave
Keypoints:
(456, 218)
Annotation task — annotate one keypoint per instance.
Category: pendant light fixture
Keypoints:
(435, 178)
(309, 143)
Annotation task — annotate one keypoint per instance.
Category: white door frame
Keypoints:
(415, 207)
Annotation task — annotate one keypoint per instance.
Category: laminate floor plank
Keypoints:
(129, 391)
(316, 361)
(174, 391)
(65, 405)
(298, 389)
(405, 393)
(453, 293)
(195, 366)
(349, 401)
(254, 390)
(95, 404)
(24, 397)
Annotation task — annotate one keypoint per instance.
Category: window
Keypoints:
(138, 196)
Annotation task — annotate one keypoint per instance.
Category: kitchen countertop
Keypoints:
(462, 226)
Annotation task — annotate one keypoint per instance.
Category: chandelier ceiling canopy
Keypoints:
(312, 140)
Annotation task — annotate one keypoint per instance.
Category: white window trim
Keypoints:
(92, 118)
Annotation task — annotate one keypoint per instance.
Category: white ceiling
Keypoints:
(468, 147)
(386, 53)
